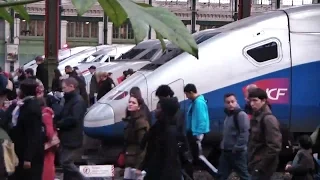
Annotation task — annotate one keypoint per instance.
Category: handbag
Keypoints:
(11, 160)
(55, 141)
(121, 160)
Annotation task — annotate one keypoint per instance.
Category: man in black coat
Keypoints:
(42, 72)
(27, 133)
(70, 126)
(93, 85)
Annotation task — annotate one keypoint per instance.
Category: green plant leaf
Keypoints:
(83, 6)
(15, 3)
(21, 10)
(5, 15)
(162, 21)
(163, 44)
(114, 11)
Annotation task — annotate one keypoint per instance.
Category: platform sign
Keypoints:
(100, 171)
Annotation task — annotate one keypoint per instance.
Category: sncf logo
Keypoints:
(277, 89)
(275, 93)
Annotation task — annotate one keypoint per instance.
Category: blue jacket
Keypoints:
(198, 117)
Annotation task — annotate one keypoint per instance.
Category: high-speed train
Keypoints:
(139, 56)
(63, 54)
(75, 59)
(104, 56)
(278, 51)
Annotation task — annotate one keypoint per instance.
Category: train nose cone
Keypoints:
(97, 118)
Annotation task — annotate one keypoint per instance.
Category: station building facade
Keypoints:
(88, 30)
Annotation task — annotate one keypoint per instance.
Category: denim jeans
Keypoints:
(233, 161)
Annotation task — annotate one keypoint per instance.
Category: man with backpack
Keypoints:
(235, 140)
(265, 138)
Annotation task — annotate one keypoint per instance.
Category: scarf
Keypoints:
(16, 111)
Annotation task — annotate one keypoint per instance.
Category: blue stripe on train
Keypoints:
(305, 102)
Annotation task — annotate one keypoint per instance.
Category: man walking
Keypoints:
(70, 124)
(265, 139)
(198, 125)
(235, 140)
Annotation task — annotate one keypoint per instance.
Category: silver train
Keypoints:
(75, 59)
(278, 51)
(139, 56)
(63, 54)
(103, 56)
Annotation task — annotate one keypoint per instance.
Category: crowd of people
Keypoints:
(41, 126)
(169, 149)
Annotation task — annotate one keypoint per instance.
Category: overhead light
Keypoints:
(24, 20)
(87, 22)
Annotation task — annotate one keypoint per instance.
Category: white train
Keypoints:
(63, 54)
(139, 56)
(103, 56)
(278, 51)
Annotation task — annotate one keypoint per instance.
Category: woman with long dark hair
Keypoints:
(136, 92)
(137, 126)
(162, 160)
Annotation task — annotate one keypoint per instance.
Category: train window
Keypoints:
(264, 52)
(205, 36)
(132, 53)
(112, 58)
(150, 54)
(119, 95)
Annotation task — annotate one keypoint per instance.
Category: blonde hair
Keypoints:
(104, 74)
(98, 76)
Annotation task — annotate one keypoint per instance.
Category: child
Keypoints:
(302, 166)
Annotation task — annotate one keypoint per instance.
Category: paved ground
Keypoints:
(199, 175)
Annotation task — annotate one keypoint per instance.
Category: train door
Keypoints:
(177, 87)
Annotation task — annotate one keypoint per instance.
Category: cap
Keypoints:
(92, 67)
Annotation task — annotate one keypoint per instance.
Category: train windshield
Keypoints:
(173, 51)
(91, 58)
(131, 54)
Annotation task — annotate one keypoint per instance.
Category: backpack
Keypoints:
(286, 137)
(235, 120)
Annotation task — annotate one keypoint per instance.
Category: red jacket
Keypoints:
(47, 118)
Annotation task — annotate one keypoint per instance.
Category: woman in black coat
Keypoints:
(27, 133)
(56, 81)
(105, 85)
(162, 156)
